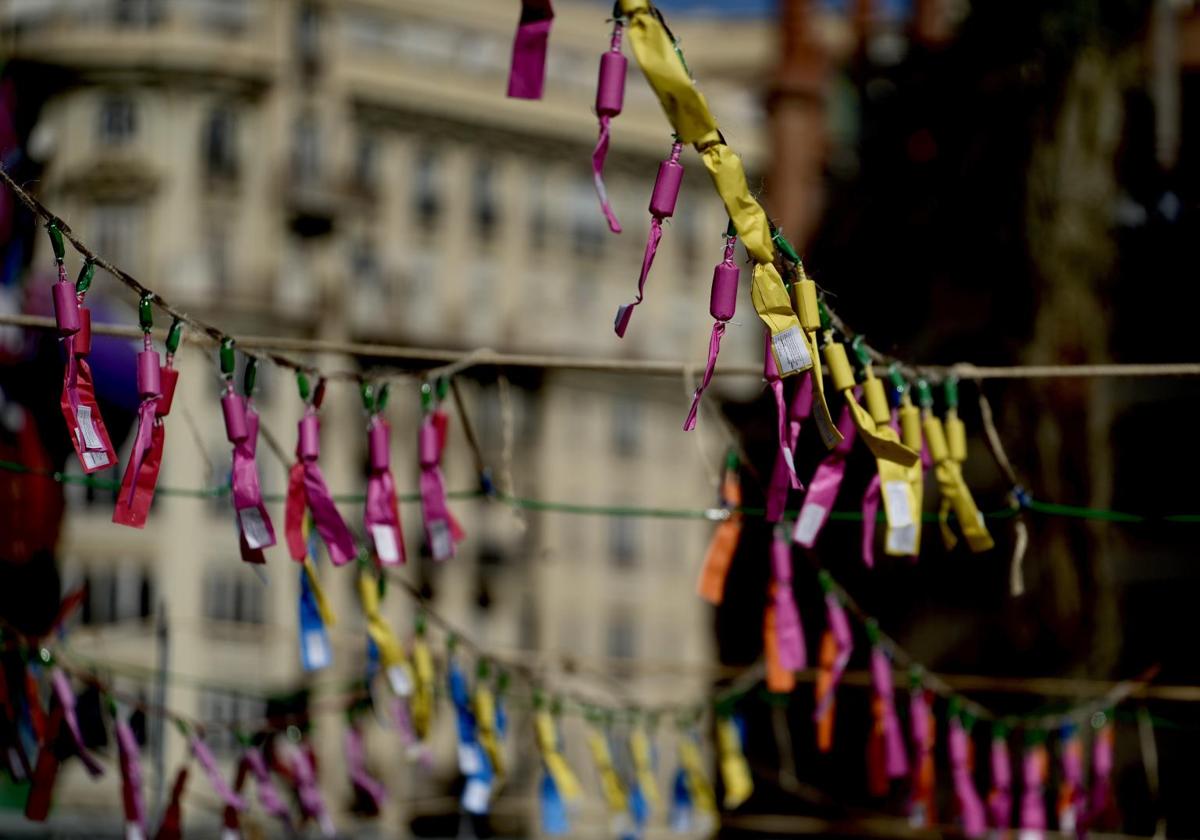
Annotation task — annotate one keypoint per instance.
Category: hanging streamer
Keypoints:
(129, 759)
(906, 541)
(1000, 796)
(724, 543)
(789, 632)
(783, 426)
(610, 783)
(171, 827)
(837, 644)
(268, 795)
(1101, 807)
(391, 653)
(896, 761)
(315, 651)
(699, 788)
(369, 790)
(1033, 810)
(442, 532)
(922, 803)
(145, 459)
(642, 753)
(527, 72)
(381, 514)
(884, 443)
(662, 206)
(88, 434)
(488, 720)
(735, 771)
(302, 762)
(307, 489)
(566, 789)
(473, 763)
(423, 683)
(721, 305)
(61, 687)
(255, 530)
(209, 765)
(970, 808)
(1072, 798)
(610, 97)
(812, 322)
(947, 447)
(824, 486)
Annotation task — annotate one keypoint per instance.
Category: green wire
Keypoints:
(523, 503)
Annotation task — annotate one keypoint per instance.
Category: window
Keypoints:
(484, 196)
(118, 119)
(538, 218)
(587, 222)
(621, 641)
(366, 163)
(626, 425)
(426, 201)
(306, 150)
(233, 596)
(231, 712)
(308, 37)
(117, 226)
(113, 595)
(220, 143)
(623, 537)
(137, 12)
(216, 254)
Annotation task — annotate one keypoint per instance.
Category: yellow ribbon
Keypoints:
(643, 765)
(485, 720)
(735, 771)
(556, 765)
(423, 687)
(314, 584)
(910, 435)
(948, 471)
(881, 439)
(703, 798)
(391, 654)
(610, 782)
(804, 291)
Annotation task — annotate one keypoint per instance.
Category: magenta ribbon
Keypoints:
(268, 794)
(66, 698)
(881, 676)
(870, 512)
(781, 476)
(527, 73)
(625, 311)
(329, 522)
(1033, 814)
(921, 726)
(1000, 796)
(141, 442)
(714, 348)
(1102, 766)
(839, 626)
(309, 792)
(970, 807)
(824, 486)
(599, 154)
(381, 517)
(789, 632)
(356, 764)
(1072, 776)
(436, 516)
(771, 374)
(209, 764)
(254, 523)
(131, 776)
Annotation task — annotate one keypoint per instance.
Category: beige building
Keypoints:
(353, 170)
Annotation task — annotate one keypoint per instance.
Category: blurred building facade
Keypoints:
(353, 171)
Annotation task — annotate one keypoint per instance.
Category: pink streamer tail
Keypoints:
(66, 698)
(625, 312)
(219, 785)
(599, 155)
(330, 525)
(714, 348)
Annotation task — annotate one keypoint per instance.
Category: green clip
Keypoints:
(872, 628)
(183, 727)
(968, 720)
(146, 312)
(859, 345)
(730, 230)
(250, 375)
(786, 247)
(84, 281)
(502, 680)
(426, 396)
(368, 396)
(451, 642)
(1034, 737)
(381, 396)
(303, 385)
(556, 706)
(916, 677)
(954, 707)
(823, 314)
(539, 699)
(950, 389)
(897, 379)
(731, 461)
(228, 359)
(174, 335)
(56, 241)
(319, 393)
(826, 581)
(483, 670)
(442, 386)
(924, 394)
(1000, 731)
(419, 623)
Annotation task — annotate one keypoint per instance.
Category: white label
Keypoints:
(316, 652)
(1066, 820)
(133, 831)
(475, 796)
(253, 528)
(791, 350)
(1030, 834)
(95, 460)
(901, 541)
(229, 834)
(469, 762)
(385, 543)
(897, 504)
(812, 516)
(440, 542)
(399, 680)
(83, 416)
